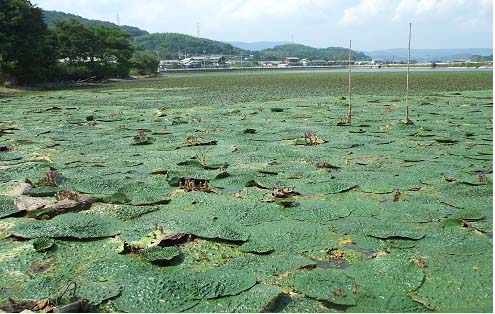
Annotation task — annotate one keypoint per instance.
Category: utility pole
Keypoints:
(197, 30)
(406, 119)
(349, 112)
(204, 59)
(118, 19)
(158, 56)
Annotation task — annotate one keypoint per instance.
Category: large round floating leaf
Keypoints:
(200, 224)
(301, 304)
(151, 290)
(457, 284)
(326, 284)
(99, 184)
(392, 303)
(317, 211)
(394, 230)
(253, 247)
(267, 265)
(454, 240)
(97, 292)
(245, 212)
(216, 283)
(411, 211)
(7, 207)
(160, 254)
(78, 226)
(43, 191)
(384, 283)
(141, 193)
(256, 300)
(377, 228)
(379, 275)
(293, 236)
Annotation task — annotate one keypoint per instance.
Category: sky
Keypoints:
(371, 24)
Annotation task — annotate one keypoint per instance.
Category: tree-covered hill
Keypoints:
(167, 44)
(301, 51)
(171, 44)
(50, 17)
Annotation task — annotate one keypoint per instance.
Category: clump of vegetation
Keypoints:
(325, 165)
(310, 138)
(482, 178)
(66, 195)
(179, 120)
(282, 191)
(396, 195)
(343, 121)
(338, 292)
(191, 139)
(51, 178)
(142, 139)
(190, 184)
(43, 244)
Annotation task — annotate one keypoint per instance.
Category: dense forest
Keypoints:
(51, 17)
(301, 51)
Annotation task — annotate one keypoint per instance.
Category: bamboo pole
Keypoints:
(406, 119)
(349, 112)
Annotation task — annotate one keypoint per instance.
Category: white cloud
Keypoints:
(364, 11)
(419, 7)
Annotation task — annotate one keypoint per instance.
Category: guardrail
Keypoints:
(251, 68)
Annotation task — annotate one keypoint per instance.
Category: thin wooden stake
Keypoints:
(349, 112)
(406, 119)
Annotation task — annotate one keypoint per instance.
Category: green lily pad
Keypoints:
(250, 247)
(394, 230)
(43, 244)
(43, 191)
(140, 193)
(454, 240)
(317, 211)
(256, 300)
(7, 207)
(326, 284)
(301, 304)
(263, 266)
(159, 254)
(457, 284)
(386, 268)
(72, 225)
(292, 236)
(378, 285)
(97, 292)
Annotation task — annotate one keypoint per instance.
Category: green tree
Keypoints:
(92, 51)
(144, 62)
(26, 46)
(76, 42)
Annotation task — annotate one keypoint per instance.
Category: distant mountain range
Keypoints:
(428, 55)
